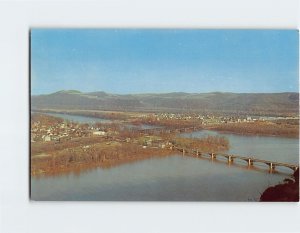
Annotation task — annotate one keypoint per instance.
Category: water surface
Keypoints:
(173, 178)
(93, 120)
(79, 119)
(277, 149)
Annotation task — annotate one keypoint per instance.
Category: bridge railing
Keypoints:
(250, 160)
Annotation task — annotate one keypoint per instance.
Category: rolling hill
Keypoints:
(217, 102)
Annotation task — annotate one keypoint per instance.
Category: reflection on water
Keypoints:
(141, 126)
(172, 178)
(92, 120)
(269, 148)
(79, 119)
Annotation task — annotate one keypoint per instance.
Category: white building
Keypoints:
(99, 133)
(47, 138)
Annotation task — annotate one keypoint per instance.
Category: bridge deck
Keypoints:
(251, 159)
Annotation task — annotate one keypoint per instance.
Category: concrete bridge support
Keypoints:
(271, 167)
(250, 162)
(230, 159)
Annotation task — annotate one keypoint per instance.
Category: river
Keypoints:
(79, 119)
(177, 177)
(93, 120)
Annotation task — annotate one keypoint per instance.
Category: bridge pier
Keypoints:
(230, 159)
(250, 162)
(271, 167)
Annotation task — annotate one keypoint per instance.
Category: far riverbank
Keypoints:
(282, 128)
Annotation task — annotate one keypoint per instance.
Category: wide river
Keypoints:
(176, 177)
(92, 120)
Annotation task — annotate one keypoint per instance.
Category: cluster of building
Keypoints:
(204, 119)
(62, 131)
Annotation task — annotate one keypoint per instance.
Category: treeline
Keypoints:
(206, 144)
(260, 128)
(50, 147)
(75, 159)
(169, 123)
(45, 119)
(104, 115)
(84, 153)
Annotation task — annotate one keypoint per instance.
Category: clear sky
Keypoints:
(155, 61)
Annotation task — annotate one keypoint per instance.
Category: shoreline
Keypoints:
(97, 155)
(258, 129)
(83, 167)
(251, 134)
(107, 115)
(288, 191)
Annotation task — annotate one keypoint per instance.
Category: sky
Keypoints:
(124, 61)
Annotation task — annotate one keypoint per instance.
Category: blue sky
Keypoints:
(156, 61)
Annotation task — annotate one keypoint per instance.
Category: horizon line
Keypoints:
(142, 93)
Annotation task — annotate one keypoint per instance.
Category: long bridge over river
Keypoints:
(230, 158)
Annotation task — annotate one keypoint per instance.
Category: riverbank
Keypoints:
(103, 154)
(109, 115)
(286, 192)
(279, 128)
(258, 129)
(52, 159)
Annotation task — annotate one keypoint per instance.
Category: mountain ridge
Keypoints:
(252, 103)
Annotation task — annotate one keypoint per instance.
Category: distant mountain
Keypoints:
(248, 103)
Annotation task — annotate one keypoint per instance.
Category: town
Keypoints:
(65, 130)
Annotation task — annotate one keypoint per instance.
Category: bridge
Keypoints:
(231, 158)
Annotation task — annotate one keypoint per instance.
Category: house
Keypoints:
(148, 142)
(46, 138)
(99, 133)
(162, 145)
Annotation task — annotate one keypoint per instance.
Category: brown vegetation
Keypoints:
(288, 191)
(260, 128)
(169, 123)
(45, 119)
(84, 153)
(85, 157)
(207, 144)
(49, 147)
